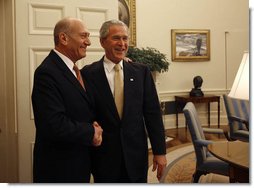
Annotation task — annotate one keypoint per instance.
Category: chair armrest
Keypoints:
(202, 142)
(213, 131)
(217, 131)
(240, 120)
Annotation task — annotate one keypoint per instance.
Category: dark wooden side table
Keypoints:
(182, 100)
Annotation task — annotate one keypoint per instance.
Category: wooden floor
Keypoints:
(182, 136)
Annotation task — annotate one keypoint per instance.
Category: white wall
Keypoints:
(155, 19)
(228, 22)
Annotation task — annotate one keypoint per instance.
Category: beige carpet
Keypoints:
(180, 168)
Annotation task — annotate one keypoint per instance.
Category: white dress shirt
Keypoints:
(110, 72)
(67, 61)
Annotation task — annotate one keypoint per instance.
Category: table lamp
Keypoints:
(240, 88)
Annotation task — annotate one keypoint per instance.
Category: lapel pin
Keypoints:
(131, 79)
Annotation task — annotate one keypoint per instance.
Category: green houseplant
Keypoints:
(154, 59)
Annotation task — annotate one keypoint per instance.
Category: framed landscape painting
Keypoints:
(190, 45)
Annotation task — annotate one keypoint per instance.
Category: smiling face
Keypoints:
(74, 40)
(78, 40)
(116, 43)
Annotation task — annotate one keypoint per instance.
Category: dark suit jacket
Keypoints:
(125, 139)
(63, 116)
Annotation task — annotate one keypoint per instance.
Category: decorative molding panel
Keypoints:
(43, 17)
(93, 54)
(36, 56)
(93, 18)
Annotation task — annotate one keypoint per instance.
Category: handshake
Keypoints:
(97, 137)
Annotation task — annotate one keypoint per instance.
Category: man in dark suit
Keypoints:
(64, 119)
(123, 154)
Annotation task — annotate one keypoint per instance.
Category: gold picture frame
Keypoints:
(127, 14)
(190, 45)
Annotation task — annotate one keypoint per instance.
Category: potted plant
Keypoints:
(155, 60)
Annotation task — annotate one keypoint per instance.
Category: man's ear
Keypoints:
(102, 41)
(63, 38)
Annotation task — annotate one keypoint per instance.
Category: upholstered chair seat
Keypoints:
(206, 162)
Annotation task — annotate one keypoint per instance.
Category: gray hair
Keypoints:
(104, 31)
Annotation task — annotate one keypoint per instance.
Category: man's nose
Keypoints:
(88, 42)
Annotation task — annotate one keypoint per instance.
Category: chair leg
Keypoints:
(197, 175)
(226, 134)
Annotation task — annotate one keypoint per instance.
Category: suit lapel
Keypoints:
(129, 85)
(68, 74)
(103, 87)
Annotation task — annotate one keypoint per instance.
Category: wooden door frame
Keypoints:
(8, 121)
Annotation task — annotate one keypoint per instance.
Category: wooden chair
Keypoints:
(206, 162)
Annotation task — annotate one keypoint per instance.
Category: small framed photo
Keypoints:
(127, 14)
(190, 45)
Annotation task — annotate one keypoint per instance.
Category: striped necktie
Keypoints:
(79, 77)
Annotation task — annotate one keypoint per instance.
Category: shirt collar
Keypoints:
(109, 65)
(65, 59)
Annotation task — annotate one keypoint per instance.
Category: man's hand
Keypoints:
(128, 60)
(159, 163)
(97, 137)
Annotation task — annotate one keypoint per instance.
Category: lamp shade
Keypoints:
(240, 88)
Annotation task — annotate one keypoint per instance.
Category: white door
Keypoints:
(35, 20)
